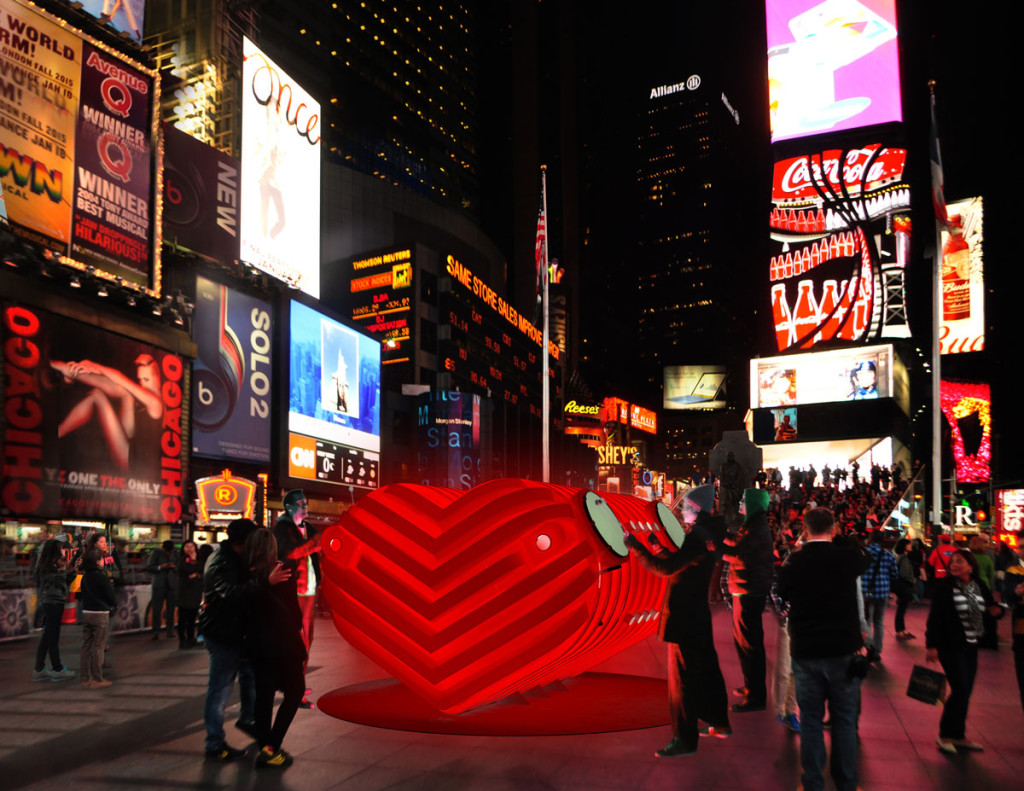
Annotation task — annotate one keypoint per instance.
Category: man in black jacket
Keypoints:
(751, 568)
(298, 546)
(820, 583)
(227, 588)
(696, 688)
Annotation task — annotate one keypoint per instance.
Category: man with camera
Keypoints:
(820, 583)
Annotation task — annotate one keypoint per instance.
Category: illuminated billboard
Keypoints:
(832, 65)
(840, 243)
(1009, 513)
(694, 387)
(967, 407)
(333, 401)
(450, 433)
(231, 374)
(380, 298)
(857, 374)
(200, 197)
(643, 419)
(78, 166)
(124, 16)
(962, 326)
(94, 422)
(280, 226)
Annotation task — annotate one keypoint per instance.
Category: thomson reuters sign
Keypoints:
(587, 410)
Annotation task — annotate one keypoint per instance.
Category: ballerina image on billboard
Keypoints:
(338, 347)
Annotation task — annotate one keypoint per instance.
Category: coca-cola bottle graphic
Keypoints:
(805, 314)
(828, 302)
(783, 319)
(956, 274)
(845, 312)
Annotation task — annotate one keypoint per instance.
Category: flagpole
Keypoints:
(545, 380)
(936, 327)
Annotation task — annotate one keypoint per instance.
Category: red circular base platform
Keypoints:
(589, 703)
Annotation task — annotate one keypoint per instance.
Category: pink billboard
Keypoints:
(832, 65)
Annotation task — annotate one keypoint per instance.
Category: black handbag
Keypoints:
(927, 685)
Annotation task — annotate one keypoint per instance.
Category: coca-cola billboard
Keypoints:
(840, 230)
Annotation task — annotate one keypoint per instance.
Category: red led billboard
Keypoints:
(967, 407)
(840, 230)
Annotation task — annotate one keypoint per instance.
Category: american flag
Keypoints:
(938, 185)
(541, 252)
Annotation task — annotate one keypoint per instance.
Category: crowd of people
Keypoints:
(823, 555)
(248, 601)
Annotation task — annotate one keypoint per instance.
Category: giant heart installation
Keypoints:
(468, 597)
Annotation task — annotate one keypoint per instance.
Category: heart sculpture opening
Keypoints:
(468, 597)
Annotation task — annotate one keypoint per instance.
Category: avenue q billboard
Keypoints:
(78, 164)
(280, 228)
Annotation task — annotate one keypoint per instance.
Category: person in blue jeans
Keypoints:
(820, 583)
(228, 588)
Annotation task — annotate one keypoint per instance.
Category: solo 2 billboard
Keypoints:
(231, 392)
(78, 165)
(280, 173)
(93, 422)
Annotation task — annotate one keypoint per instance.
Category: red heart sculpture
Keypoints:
(467, 597)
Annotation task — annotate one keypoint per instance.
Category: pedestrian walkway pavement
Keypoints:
(146, 731)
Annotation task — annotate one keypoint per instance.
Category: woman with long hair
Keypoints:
(273, 633)
(955, 623)
(97, 603)
(52, 578)
(190, 593)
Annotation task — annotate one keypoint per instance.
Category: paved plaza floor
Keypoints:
(146, 731)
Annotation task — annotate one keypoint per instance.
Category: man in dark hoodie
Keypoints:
(751, 568)
(695, 685)
(228, 588)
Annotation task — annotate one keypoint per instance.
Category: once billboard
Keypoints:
(962, 326)
(78, 164)
(231, 393)
(832, 65)
(821, 377)
(280, 173)
(694, 387)
(94, 422)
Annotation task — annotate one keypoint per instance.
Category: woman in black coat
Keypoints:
(190, 593)
(274, 644)
(955, 622)
(98, 602)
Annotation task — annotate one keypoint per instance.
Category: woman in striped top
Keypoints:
(951, 637)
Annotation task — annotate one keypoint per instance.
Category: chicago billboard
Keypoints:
(832, 65)
(94, 422)
(840, 243)
(78, 164)
(231, 374)
(280, 227)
